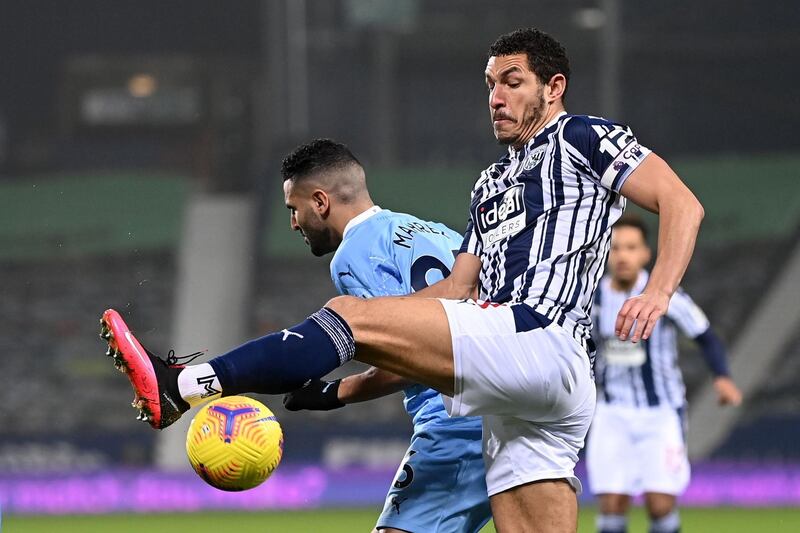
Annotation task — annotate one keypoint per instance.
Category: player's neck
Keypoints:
(623, 285)
(348, 213)
(552, 112)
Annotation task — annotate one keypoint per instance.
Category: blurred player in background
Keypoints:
(534, 249)
(440, 484)
(637, 439)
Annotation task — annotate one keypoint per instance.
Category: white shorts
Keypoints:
(632, 450)
(534, 389)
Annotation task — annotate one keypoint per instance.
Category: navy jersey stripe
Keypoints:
(647, 377)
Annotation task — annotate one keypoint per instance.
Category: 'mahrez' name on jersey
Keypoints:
(541, 217)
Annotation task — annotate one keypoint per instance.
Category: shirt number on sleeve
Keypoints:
(420, 268)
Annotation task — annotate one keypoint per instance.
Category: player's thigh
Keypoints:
(407, 336)
(548, 506)
(662, 452)
(505, 366)
(609, 452)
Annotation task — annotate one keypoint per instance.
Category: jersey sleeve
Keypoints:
(610, 150)
(470, 244)
(428, 257)
(687, 315)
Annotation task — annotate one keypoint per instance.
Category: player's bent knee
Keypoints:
(347, 307)
(659, 506)
(614, 503)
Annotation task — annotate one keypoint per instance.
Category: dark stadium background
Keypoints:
(140, 145)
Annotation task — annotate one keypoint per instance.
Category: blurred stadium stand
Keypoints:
(60, 270)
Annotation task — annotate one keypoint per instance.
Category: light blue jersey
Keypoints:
(440, 486)
(392, 254)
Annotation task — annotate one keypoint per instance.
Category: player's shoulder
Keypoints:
(681, 297)
(405, 229)
(681, 304)
(581, 128)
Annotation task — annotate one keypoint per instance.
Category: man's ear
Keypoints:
(555, 88)
(322, 203)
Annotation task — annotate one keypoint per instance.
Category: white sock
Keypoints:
(198, 384)
(608, 523)
(670, 523)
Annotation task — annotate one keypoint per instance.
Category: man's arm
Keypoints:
(460, 284)
(693, 322)
(369, 385)
(714, 354)
(322, 395)
(654, 186)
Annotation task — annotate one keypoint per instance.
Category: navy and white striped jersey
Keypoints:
(645, 374)
(541, 217)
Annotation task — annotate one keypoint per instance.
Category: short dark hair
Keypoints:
(631, 220)
(546, 56)
(319, 154)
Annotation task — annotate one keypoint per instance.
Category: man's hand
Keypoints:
(655, 187)
(644, 310)
(315, 396)
(727, 391)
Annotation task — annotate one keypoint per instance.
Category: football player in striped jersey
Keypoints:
(637, 439)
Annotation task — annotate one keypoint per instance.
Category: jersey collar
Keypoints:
(359, 218)
(638, 286)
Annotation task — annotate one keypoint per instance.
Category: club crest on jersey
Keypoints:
(502, 215)
(534, 158)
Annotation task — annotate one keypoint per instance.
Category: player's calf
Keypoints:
(274, 364)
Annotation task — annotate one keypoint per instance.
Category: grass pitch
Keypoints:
(719, 520)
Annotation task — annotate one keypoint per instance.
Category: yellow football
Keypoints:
(234, 443)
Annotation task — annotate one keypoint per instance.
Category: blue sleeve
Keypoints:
(608, 151)
(713, 352)
(428, 257)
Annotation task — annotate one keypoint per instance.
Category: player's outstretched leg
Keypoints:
(272, 364)
(408, 336)
(283, 361)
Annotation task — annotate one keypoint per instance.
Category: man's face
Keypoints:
(304, 204)
(516, 101)
(629, 254)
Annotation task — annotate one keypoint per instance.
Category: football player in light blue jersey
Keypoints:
(440, 485)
